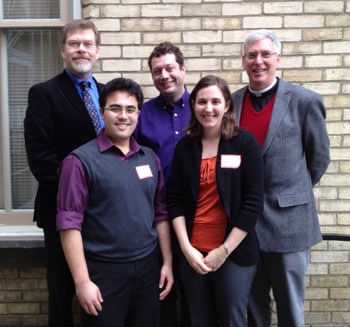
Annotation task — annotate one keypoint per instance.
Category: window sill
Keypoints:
(21, 237)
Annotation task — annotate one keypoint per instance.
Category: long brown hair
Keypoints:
(228, 127)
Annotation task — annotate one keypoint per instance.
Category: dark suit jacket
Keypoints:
(240, 188)
(56, 123)
(296, 155)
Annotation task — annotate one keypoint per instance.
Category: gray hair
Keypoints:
(259, 35)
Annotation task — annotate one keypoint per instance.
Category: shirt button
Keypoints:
(175, 114)
(176, 132)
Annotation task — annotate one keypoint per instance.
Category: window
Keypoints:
(29, 53)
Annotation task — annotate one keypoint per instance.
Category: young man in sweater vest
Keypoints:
(112, 219)
(289, 124)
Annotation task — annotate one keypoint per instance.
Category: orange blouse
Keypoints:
(210, 220)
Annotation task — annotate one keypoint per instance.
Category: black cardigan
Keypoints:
(240, 188)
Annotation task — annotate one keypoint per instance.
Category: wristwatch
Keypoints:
(227, 250)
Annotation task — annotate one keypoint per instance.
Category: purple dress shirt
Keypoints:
(161, 126)
(73, 189)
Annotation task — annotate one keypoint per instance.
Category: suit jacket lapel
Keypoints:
(69, 90)
(279, 109)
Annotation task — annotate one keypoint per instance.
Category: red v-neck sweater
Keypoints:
(257, 122)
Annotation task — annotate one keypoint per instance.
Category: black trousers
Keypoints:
(130, 293)
(59, 282)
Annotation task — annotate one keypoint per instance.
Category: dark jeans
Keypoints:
(219, 298)
(130, 293)
(59, 282)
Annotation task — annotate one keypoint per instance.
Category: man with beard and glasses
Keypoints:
(60, 118)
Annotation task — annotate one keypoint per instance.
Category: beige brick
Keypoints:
(33, 272)
(337, 47)
(340, 293)
(202, 10)
(341, 319)
(292, 62)
(161, 10)
(306, 75)
(347, 141)
(336, 206)
(202, 64)
(330, 305)
(338, 101)
(323, 61)
(91, 11)
(202, 36)
(317, 269)
(318, 317)
(141, 24)
(120, 38)
(23, 308)
(345, 167)
(302, 48)
(9, 273)
(21, 284)
(326, 88)
(329, 256)
(329, 281)
(257, 22)
(181, 24)
(241, 9)
(345, 88)
(156, 38)
(111, 51)
(316, 293)
(287, 7)
(322, 34)
(344, 193)
(337, 20)
(214, 23)
(108, 24)
(338, 127)
(325, 7)
(340, 245)
(305, 21)
(37, 320)
(326, 193)
(220, 50)
(120, 11)
(339, 269)
(327, 218)
(344, 219)
(10, 296)
(132, 52)
(121, 65)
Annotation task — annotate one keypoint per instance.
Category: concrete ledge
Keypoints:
(21, 237)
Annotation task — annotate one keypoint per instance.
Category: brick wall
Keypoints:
(315, 39)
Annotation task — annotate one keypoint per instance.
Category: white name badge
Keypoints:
(231, 161)
(144, 171)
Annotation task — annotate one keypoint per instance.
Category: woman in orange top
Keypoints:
(215, 196)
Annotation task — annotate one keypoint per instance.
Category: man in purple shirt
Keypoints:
(161, 125)
(112, 218)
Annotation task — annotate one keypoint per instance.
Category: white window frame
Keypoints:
(14, 218)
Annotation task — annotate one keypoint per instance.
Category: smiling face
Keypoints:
(261, 62)
(80, 52)
(209, 108)
(120, 123)
(168, 76)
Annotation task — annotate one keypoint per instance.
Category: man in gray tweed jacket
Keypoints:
(289, 123)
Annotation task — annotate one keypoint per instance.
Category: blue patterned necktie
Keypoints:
(90, 106)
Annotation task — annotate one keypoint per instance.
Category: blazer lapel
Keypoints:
(279, 109)
(70, 92)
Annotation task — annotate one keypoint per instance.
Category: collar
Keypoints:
(77, 80)
(262, 92)
(105, 144)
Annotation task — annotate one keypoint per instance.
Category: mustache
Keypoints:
(78, 56)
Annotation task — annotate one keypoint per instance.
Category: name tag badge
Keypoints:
(144, 172)
(232, 161)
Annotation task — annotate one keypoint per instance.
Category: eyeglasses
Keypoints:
(119, 109)
(76, 44)
(264, 55)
